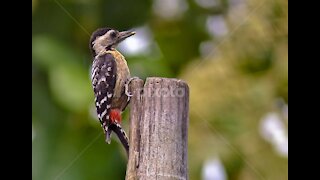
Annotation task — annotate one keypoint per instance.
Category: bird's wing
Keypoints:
(103, 76)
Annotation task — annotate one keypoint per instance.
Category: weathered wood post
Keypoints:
(159, 116)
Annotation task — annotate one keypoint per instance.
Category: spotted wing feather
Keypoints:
(103, 75)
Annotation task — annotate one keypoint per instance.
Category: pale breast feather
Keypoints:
(104, 76)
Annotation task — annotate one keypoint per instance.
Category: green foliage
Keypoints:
(68, 81)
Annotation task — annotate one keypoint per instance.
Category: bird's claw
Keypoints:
(129, 94)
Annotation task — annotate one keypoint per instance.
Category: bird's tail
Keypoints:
(116, 127)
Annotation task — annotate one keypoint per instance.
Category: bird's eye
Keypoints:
(113, 34)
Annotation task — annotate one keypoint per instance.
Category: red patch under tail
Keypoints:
(115, 116)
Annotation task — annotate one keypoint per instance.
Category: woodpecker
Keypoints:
(110, 77)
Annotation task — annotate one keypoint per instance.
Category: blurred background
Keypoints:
(232, 53)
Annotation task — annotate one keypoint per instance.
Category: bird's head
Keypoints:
(107, 39)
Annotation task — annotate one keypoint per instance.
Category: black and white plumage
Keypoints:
(103, 77)
(109, 75)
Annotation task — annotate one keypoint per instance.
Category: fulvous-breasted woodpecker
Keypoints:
(110, 77)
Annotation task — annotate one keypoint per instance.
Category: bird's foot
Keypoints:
(129, 94)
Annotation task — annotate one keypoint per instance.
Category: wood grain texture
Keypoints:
(159, 117)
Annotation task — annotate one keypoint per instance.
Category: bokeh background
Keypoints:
(232, 53)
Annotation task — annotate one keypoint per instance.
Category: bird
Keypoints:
(110, 77)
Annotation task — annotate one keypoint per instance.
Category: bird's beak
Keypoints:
(125, 34)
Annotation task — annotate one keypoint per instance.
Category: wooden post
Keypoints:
(159, 116)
